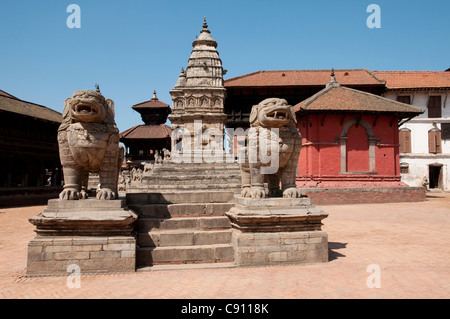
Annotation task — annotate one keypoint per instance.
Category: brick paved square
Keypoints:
(407, 241)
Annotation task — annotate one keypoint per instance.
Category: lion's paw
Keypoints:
(83, 195)
(69, 194)
(292, 193)
(246, 192)
(106, 193)
(258, 192)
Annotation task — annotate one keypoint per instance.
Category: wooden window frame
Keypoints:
(404, 140)
(434, 107)
(400, 97)
(434, 141)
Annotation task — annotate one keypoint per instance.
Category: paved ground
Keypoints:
(409, 242)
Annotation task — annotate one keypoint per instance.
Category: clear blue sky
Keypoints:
(134, 47)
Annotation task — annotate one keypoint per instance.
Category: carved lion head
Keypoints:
(88, 107)
(272, 112)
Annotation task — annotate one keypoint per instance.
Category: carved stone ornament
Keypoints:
(273, 132)
(89, 143)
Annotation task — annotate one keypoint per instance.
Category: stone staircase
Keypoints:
(183, 227)
(189, 176)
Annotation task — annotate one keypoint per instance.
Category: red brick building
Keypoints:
(350, 138)
(350, 132)
(292, 85)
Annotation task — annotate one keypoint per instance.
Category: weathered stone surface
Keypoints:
(89, 143)
(277, 202)
(95, 235)
(215, 222)
(277, 230)
(91, 254)
(274, 134)
(181, 210)
(270, 249)
(275, 214)
(84, 217)
(184, 238)
(199, 95)
(183, 254)
(179, 197)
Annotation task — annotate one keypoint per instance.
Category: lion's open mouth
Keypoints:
(278, 115)
(82, 108)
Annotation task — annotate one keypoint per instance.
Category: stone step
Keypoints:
(210, 265)
(194, 175)
(137, 197)
(181, 210)
(184, 254)
(145, 225)
(182, 168)
(183, 238)
(176, 181)
(236, 188)
(201, 187)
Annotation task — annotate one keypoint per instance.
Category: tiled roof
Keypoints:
(303, 78)
(414, 79)
(153, 103)
(345, 99)
(9, 103)
(7, 94)
(147, 132)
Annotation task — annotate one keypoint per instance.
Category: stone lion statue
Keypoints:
(89, 143)
(272, 126)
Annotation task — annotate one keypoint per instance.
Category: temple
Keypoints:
(198, 99)
(350, 138)
(142, 142)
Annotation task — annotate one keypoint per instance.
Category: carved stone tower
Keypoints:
(198, 99)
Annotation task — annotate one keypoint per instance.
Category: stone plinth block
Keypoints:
(52, 255)
(276, 231)
(85, 217)
(95, 235)
(275, 214)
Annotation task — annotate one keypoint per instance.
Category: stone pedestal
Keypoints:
(96, 235)
(277, 230)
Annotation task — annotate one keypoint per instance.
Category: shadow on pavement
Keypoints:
(332, 254)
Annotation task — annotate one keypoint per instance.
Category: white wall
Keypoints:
(419, 168)
(419, 136)
(420, 159)
(420, 98)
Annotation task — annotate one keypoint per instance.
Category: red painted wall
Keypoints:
(357, 149)
(320, 158)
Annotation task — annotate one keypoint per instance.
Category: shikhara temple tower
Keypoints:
(198, 99)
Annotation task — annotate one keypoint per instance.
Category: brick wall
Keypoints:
(340, 196)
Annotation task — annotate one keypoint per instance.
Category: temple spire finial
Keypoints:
(97, 88)
(333, 82)
(205, 27)
(154, 95)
